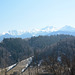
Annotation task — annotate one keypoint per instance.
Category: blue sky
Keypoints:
(30, 14)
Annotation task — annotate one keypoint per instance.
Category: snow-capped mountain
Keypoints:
(33, 31)
(15, 32)
(64, 30)
(46, 30)
(6, 36)
(68, 28)
(49, 30)
(25, 35)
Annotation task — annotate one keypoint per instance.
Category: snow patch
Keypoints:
(10, 67)
(29, 62)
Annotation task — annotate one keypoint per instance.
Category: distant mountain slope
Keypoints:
(67, 28)
(6, 36)
(49, 30)
(62, 32)
(25, 35)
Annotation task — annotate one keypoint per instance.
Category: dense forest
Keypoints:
(56, 51)
(13, 50)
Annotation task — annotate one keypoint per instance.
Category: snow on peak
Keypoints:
(5, 33)
(67, 28)
(44, 30)
(49, 29)
(14, 32)
(33, 31)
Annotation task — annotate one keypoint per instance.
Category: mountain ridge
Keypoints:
(48, 30)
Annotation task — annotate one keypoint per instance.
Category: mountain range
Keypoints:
(49, 30)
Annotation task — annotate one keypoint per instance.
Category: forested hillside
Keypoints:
(13, 50)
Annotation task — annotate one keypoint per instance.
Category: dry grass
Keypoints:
(17, 68)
